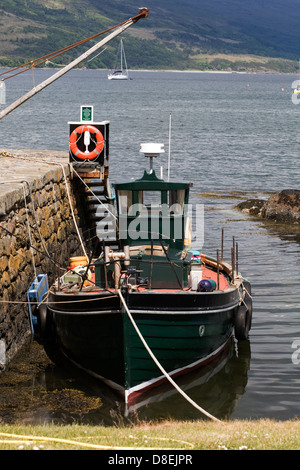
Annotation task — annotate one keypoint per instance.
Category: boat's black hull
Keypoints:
(184, 330)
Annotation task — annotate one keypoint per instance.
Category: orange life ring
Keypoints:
(74, 138)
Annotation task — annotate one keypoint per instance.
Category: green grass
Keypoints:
(171, 435)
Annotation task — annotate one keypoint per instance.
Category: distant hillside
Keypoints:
(178, 34)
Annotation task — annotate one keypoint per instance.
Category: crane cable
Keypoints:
(40, 60)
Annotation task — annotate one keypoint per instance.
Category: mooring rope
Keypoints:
(56, 163)
(160, 366)
(128, 312)
(29, 232)
(99, 200)
(72, 211)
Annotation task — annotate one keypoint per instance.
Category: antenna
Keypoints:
(151, 150)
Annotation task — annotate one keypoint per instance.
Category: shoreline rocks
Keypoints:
(282, 207)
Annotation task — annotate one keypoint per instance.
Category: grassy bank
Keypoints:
(188, 436)
(243, 63)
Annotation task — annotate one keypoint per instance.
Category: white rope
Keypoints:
(242, 299)
(29, 232)
(47, 162)
(99, 200)
(73, 215)
(248, 293)
(160, 366)
(45, 300)
(97, 55)
(21, 181)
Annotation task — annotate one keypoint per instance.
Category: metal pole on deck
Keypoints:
(143, 13)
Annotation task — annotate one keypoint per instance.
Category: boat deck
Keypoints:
(221, 281)
(206, 274)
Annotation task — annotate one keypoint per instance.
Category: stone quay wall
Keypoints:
(37, 234)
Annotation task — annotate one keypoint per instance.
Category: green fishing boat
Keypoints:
(148, 307)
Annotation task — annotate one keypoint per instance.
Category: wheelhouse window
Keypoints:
(155, 202)
(176, 201)
(125, 201)
(150, 201)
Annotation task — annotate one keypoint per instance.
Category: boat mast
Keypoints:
(121, 55)
(142, 14)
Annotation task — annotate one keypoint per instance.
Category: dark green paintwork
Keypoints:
(164, 226)
(180, 327)
(151, 182)
(174, 340)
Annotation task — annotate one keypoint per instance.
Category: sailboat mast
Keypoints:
(121, 55)
(143, 14)
(125, 63)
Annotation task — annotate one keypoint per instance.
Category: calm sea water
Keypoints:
(234, 136)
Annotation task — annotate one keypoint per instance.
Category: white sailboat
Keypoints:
(36, 89)
(122, 72)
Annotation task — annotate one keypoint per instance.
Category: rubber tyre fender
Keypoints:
(242, 322)
(43, 322)
(248, 302)
(247, 286)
